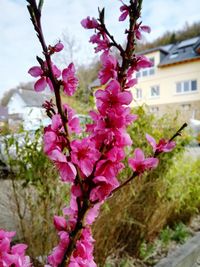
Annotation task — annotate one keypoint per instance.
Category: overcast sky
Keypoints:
(19, 46)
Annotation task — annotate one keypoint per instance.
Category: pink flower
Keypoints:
(138, 28)
(109, 69)
(108, 168)
(73, 121)
(139, 164)
(83, 254)
(35, 71)
(143, 62)
(130, 83)
(44, 80)
(12, 255)
(58, 47)
(103, 188)
(115, 154)
(101, 40)
(56, 122)
(60, 223)
(66, 169)
(54, 143)
(53, 138)
(162, 146)
(92, 214)
(84, 154)
(72, 211)
(125, 11)
(89, 23)
(58, 252)
(112, 97)
(70, 82)
(110, 129)
(122, 138)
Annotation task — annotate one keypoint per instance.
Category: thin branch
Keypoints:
(133, 175)
(134, 13)
(35, 13)
(179, 132)
(104, 28)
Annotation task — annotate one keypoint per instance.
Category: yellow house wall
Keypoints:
(166, 78)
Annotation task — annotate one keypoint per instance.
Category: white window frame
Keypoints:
(155, 87)
(182, 85)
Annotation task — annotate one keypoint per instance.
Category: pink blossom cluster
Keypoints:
(93, 163)
(65, 225)
(138, 27)
(90, 164)
(66, 78)
(12, 255)
(99, 38)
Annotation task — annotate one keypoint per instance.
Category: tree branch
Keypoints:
(35, 13)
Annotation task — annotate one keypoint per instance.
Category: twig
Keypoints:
(179, 132)
(35, 13)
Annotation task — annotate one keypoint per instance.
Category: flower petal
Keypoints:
(35, 71)
(40, 85)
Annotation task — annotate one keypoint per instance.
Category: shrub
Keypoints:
(185, 192)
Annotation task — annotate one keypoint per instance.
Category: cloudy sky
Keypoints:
(19, 46)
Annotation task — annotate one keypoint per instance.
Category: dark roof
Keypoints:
(32, 98)
(165, 49)
(27, 93)
(182, 51)
(174, 53)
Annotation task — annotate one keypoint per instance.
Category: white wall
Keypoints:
(16, 104)
(34, 117)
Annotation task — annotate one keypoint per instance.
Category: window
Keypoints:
(138, 74)
(151, 71)
(178, 88)
(194, 85)
(138, 93)
(155, 91)
(144, 73)
(186, 86)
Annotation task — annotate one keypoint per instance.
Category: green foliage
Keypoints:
(185, 192)
(4, 130)
(180, 233)
(119, 262)
(146, 250)
(165, 236)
